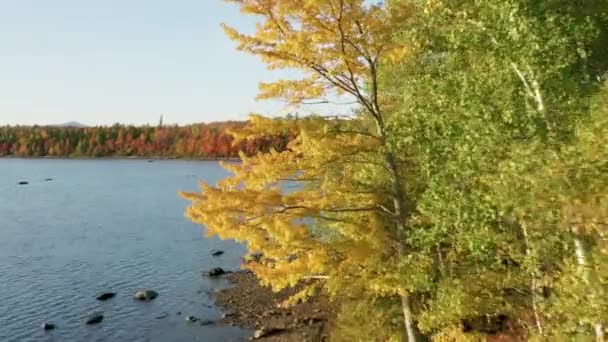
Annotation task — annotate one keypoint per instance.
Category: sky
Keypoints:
(99, 62)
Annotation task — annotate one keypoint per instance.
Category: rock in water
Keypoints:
(229, 314)
(145, 295)
(216, 253)
(206, 322)
(105, 296)
(258, 334)
(93, 319)
(48, 326)
(216, 272)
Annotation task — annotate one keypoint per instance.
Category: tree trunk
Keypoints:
(581, 261)
(400, 213)
(533, 285)
(407, 319)
(401, 206)
(599, 333)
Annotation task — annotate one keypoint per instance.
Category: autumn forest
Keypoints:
(199, 141)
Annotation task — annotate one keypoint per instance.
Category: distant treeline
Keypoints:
(192, 141)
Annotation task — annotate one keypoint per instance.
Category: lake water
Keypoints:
(104, 225)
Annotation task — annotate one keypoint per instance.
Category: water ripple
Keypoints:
(122, 229)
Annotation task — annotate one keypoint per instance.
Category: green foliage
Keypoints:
(375, 319)
(493, 110)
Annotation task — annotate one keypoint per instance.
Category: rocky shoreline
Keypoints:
(249, 305)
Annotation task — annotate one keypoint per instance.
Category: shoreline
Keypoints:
(249, 305)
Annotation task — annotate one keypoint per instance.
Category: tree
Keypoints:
(488, 103)
(318, 211)
(339, 45)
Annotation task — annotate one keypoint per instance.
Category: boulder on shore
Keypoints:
(48, 326)
(265, 332)
(105, 296)
(145, 295)
(94, 318)
(216, 272)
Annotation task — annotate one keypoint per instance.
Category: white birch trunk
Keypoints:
(408, 320)
(533, 285)
(581, 261)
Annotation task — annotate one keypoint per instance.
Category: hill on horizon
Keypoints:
(71, 124)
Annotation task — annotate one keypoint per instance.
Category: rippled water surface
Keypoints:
(106, 225)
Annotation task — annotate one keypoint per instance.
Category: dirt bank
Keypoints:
(250, 305)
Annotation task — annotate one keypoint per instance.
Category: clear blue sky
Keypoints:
(128, 61)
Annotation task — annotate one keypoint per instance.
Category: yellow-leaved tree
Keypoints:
(332, 206)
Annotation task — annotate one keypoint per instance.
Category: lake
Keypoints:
(102, 225)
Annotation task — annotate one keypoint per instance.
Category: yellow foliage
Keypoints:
(337, 43)
(311, 209)
(330, 206)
